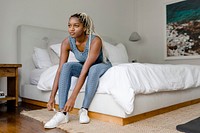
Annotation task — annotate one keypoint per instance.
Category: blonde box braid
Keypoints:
(88, 24)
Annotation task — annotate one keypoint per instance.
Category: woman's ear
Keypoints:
(84, 29)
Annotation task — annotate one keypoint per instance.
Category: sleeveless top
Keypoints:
(82, 56)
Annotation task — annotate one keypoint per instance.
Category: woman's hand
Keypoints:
(51, 104)
(69, 105)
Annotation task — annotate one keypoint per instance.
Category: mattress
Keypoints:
(106, 104)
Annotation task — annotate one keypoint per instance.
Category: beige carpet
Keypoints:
(165, 123)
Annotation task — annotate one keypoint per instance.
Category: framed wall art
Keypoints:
(183, 30)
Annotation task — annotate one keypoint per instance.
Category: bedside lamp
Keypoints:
(134, 37)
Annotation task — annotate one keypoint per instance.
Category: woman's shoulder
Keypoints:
(65, 43)
(96, 39)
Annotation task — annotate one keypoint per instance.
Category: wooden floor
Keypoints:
(12, 122)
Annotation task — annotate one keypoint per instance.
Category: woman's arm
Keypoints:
(65, 48)
(94, 51)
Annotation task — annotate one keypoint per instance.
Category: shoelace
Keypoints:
(55, 110)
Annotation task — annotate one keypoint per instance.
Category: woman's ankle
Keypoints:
(65, 113)
(84, 108)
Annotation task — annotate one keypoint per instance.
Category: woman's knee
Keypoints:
(98, 68)
(68, 65)
(72, 68)
(96, 71)
(93, 70)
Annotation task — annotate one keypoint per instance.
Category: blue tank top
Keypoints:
(82, 56)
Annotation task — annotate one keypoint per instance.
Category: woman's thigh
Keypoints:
(99, 69)
(73, 68)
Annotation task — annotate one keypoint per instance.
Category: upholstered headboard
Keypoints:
(29, 37)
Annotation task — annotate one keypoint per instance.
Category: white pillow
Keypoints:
(56, 48)
(53, 56)
(35, 75)
(116, 54)
(35, 62)
(41, 58)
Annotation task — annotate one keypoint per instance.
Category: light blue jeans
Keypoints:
(70, 69)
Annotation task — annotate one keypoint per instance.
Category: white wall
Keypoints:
(151, 26)
(112, 18)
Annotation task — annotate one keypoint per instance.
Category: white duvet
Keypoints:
(123, 81)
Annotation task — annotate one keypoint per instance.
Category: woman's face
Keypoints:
(75, 27)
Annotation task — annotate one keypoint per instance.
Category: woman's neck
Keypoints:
(81, 39)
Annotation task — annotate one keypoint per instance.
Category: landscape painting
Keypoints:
(183, 30)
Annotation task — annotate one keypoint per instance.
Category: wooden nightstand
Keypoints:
(11, 72)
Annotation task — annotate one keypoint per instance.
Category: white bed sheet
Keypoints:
(35, 75)
(47, 78)
(123, 81)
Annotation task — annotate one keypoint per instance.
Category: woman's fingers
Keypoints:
(50, 106)
(69, 105)
(68, 108)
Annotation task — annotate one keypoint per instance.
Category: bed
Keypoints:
(107, 105)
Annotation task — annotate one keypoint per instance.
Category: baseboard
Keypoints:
(119, 120)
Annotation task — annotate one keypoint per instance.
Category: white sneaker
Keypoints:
(58, 118)
(83, 116)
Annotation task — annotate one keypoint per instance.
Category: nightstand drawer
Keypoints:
(7, 72)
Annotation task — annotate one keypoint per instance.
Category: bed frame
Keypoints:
(103, 106)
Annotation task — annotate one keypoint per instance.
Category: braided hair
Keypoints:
(88, 24)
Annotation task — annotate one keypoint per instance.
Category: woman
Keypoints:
(88, 50)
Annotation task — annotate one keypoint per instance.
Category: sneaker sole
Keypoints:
(50, 127)
(83, 122)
